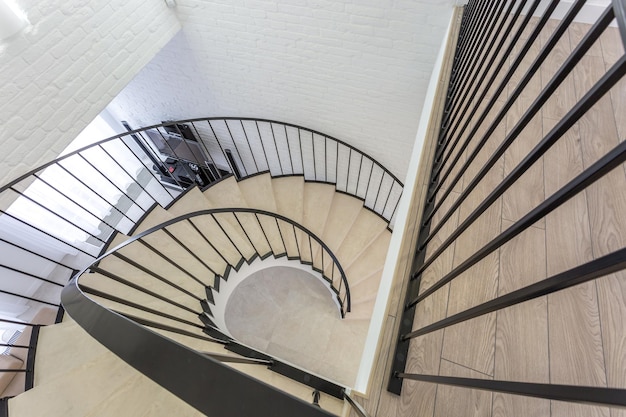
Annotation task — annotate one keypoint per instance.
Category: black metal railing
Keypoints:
(187, 254)
(142, 292)
(501, 45)
(58, 217)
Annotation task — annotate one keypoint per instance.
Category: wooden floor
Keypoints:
(576, 336)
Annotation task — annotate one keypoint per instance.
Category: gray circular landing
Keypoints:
(290, 314)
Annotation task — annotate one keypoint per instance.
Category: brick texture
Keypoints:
(354, 69)
(62, 70)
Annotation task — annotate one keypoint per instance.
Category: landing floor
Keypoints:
(290, 315)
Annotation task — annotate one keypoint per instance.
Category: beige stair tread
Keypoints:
(341, 216)
(161, 307)
(362, 310)
(103, 387)
(56, 357)
(203, 255)
(101, 384)
(220, 245)
(225, 194)
(146, 258)
(117, 240)
(179, 258)
(366, 228)
(114, 288)
(317, 199)
(252, 240)
(290, 238)
(366, 289)
(192, 239)
(258, 192)
(192, 200)
(156, 216)
(372, 259)
(288, 194)
(272, 233)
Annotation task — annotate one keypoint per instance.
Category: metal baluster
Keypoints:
(256, 166)
(276, 147)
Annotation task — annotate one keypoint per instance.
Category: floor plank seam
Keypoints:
(466, 367)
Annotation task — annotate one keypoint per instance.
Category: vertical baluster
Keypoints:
(262, 145)
(276, 148)
(232, 138)
(145, 166)
(256, 166)
(288, 149)
(214, 170)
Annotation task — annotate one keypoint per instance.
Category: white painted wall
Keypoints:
(65, 67)
(354, 69)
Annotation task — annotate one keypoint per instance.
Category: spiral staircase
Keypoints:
(162, 253)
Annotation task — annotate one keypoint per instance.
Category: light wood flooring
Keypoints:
(576, 336)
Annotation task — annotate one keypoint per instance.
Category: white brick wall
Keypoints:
(354, 69)
(58, 74)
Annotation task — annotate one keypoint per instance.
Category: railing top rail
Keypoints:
(200, 119)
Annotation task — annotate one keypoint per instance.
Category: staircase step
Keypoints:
(155, 217)
(289, 197)
(226, 194)
(365, 230)
(288, 194)
(341, 217)
(366, 289)
(317, 200)
(169, 301)
(370, 260)
(192, 200)
(92, 385)
(185, 317)
(135, 257)
(95, 382)
(362, 310)
(56, 357)
(258, 192)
